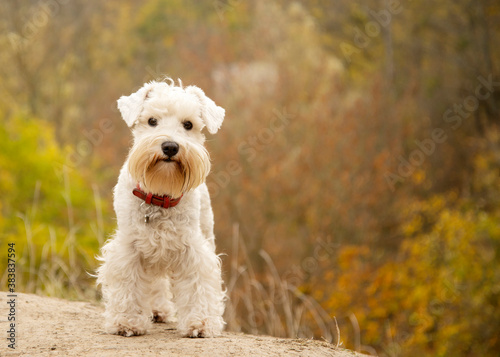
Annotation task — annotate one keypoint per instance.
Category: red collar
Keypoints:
(150, 199)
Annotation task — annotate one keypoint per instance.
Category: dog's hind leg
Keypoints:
(161, 301)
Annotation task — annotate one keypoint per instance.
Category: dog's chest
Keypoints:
(164, 234)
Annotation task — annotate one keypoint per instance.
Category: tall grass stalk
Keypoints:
(268, 304)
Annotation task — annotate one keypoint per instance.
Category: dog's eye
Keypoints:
(187, 125)
(152, 122)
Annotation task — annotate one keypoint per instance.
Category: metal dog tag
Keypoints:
(147, 214)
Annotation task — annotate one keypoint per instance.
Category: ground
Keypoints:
(54, 327)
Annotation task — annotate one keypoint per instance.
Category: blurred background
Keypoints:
(355, 181)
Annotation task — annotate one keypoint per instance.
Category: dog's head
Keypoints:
(168, 156)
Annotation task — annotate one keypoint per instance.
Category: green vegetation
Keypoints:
(54, 218)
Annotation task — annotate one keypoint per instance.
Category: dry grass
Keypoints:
(269, 304)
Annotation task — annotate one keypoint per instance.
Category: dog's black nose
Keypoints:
(170, 148)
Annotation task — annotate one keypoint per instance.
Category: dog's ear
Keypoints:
(131, 106)
(211, 114)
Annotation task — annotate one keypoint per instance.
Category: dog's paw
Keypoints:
(129, 331)
(197, 332)
(127, 325)
(206, 328)
(163, 317)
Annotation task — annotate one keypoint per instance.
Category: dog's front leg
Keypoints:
(197, 289)
(124, 288)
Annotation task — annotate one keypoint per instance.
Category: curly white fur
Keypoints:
(145, 265)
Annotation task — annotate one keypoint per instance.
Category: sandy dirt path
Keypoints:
(54, 327)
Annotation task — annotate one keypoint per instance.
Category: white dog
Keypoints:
(165, 233)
